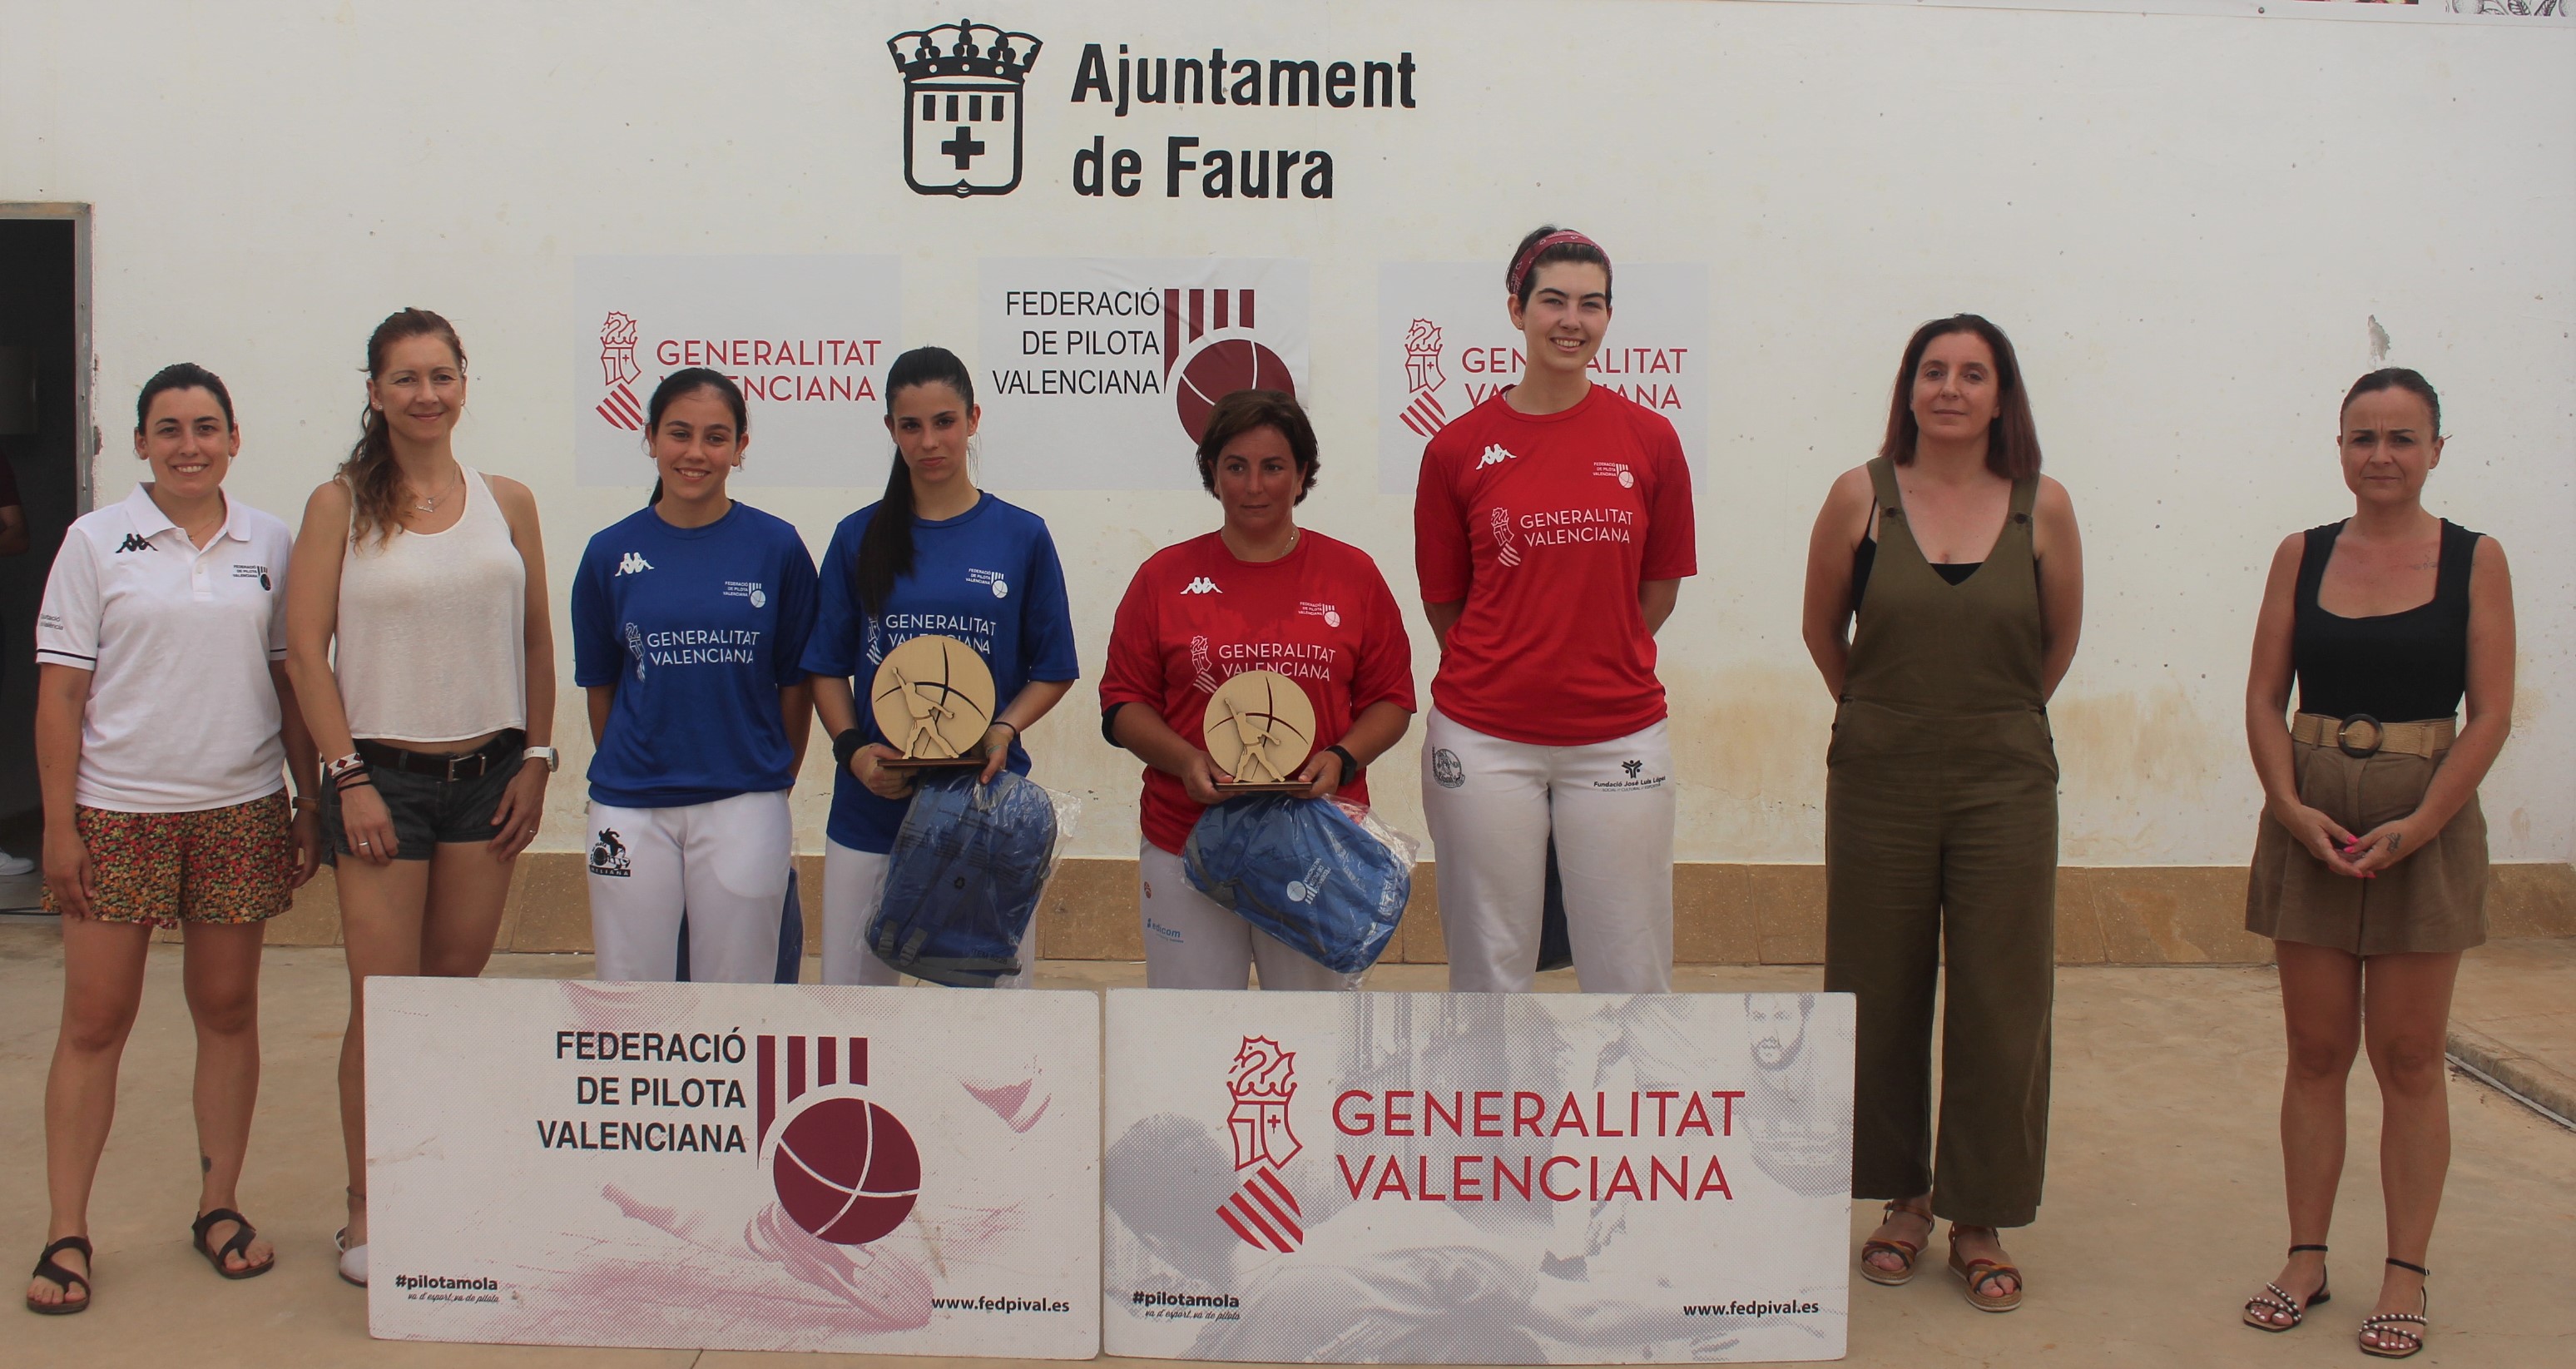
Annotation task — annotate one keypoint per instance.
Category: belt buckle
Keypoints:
(2343, 736)
(456, 760)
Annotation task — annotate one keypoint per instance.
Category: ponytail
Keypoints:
(885, 550)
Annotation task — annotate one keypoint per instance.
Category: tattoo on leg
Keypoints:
(205, 1164)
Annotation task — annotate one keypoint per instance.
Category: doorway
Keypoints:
(47, 441)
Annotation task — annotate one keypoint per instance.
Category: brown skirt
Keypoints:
(2433, 900)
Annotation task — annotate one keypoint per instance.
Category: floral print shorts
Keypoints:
(216, 865)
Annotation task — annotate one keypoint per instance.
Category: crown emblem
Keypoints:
(1264, 1072)
(965, 48)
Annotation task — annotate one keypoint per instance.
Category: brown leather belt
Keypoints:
(2362, 735)
(449, 766)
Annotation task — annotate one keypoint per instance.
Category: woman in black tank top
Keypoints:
(2370, 866)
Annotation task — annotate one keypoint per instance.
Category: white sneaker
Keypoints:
(15, 865)
(353, 1259)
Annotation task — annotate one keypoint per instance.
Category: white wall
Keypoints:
(2188, 222)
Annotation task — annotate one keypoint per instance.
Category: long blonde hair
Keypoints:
(373, 478)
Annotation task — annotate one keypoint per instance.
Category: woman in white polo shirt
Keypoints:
(166, 732)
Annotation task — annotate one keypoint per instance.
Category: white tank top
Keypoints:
(433, 629)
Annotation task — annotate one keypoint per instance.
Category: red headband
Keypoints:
(1521, 264)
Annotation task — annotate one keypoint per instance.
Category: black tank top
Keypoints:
(2410, 666)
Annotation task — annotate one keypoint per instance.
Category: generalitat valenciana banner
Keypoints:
(720, 1166)
(1476, 1178)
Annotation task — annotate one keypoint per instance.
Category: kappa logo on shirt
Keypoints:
(1201, 585)
(1332, 616)
(632, 564)
(1495, 455)
(1001, 585)
(134, 541)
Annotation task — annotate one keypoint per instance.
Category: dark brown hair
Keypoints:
(188, 375)
(1526, 283)
(885, 549)
(1245, 410)
(2396, 378)
(2012, 440)
(686, 381)
(375, 482)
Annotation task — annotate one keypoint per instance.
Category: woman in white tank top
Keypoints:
(418, 640)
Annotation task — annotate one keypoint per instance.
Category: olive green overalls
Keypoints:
(1941, 845)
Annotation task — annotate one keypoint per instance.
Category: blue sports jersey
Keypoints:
(987, 577)
(698, 628)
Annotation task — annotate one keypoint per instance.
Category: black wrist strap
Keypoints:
(846, 744)
(1351, 766)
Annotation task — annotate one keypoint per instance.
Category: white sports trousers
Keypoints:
(1491, 805)
(724, 864)
(1193, 942)
(853, 884)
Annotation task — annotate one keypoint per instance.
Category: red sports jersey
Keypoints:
(1195, 616)
(1545, 524)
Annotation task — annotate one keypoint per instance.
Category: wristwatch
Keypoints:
(552, 757)
(846, 745)
(1351, 766)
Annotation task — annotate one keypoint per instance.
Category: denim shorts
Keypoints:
(427, 811)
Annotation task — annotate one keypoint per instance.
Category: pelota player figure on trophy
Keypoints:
(933, 700)
(1260, 727)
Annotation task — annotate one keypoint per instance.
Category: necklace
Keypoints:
(431, 506)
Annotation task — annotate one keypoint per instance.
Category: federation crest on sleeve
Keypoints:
(963, 85)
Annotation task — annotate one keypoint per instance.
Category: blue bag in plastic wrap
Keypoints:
(1327, 881)
(964, 880)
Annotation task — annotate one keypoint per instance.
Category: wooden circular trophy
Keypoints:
(933, 701)
(1260, 728)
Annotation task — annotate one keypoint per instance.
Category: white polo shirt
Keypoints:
(182, 713)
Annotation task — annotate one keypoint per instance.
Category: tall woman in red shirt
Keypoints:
(1259, 593)
(1552, 529)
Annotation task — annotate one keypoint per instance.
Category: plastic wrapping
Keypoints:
(968, 869)
(1322, 876)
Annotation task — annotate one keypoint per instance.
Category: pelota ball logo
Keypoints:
(963, 89)
(1218, 365)
(844, 1167)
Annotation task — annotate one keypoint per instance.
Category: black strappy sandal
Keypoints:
(2394, 1323)
(2275, 1300)
(243, 1235)
(63, 1278)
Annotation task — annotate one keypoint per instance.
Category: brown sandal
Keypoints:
(238, 1246)
(62, 1278)
(1979, 1273)
(1904, 1251)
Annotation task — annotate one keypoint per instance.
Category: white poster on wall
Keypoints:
(1476, 1178)
(1446, 344)
(722, 1166)
(807, 338)
(1097, 373)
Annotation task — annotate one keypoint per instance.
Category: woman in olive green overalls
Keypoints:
(1957, 568)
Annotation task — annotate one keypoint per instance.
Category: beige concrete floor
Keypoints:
(2163, 1208)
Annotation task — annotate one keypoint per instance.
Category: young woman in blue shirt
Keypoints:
(935, 557)
(690, 620)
